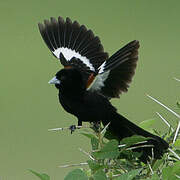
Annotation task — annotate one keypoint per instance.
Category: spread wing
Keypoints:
(68, 40)
(116, 73)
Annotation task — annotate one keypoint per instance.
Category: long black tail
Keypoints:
(120, 127)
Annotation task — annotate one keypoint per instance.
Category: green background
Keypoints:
(29, 105)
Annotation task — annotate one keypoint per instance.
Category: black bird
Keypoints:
(90, 79)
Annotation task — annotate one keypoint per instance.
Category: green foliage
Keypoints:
(129, 141)
(177, 143)
(41, 176)
(109, 150)
(129, 175)
(95, 166)
(113, 160)
(100, 175)
(171, 172)
(94, 143)
(153, 177)
(76, 174)
(178, 104)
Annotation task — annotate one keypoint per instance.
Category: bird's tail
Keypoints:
(120, 128)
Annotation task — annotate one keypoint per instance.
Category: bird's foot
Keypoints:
(96, 126)
(72, 128)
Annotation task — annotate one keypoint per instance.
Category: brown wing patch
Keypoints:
(68, 67)
(90, 80)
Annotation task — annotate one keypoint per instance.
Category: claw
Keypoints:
(72, 128)
(96, 126)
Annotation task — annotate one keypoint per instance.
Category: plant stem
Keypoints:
(100, 139)
(152, 164)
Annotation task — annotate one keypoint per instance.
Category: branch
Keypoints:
(68, 128)
(71, 165)
(177, 115)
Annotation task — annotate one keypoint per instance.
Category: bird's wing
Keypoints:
(116, 73)
(68, 40)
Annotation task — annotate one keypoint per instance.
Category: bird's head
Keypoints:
(68, 80)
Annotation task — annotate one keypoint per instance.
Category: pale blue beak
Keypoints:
(54, 80)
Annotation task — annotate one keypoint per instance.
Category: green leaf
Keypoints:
(177, 151)
(94, 166)
(94, 143)
(103, 132)
(76, 174)
(94, 140)
(157, 164)
(147, 124)
(110, 150)
(154, 177)
(177, 143)
(169, 173)
(100, 175)
(129, 155)
(129, 176)
(178, 104)
(41, 176)
(129, 141)
(88, 135)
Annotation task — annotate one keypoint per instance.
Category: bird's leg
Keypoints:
(74, 127)
(79, 122)
(96, 126)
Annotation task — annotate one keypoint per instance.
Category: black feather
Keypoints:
(61, 31)
(44, 35)
(93, 107)
(50, 34)
(55, 31)
(71, 35)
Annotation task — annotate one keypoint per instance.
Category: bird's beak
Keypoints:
(54, 80)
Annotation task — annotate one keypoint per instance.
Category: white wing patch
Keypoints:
(98, 82)
(69, 54)
(101, 68)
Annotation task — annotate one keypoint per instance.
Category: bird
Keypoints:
(90, 78)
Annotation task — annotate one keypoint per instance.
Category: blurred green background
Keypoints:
(29, 105)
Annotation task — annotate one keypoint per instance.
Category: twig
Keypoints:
(121, 145)
(136, 147)
(117, 175)
(176, 133)
(86, 153)
(164, 120)
(177, 176)
(140, 142)
(105, 128)
(67, 128)
(177, 115)
(150, 168)
(174, 153)
(152, 155)
(177, 79)
(71, 165)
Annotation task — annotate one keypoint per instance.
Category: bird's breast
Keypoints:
(84, 108)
